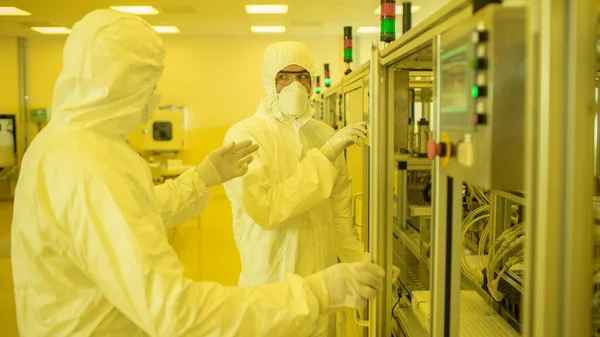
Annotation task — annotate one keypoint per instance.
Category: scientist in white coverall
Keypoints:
(292, 212)
(89, 252)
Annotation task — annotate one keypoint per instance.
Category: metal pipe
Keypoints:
(422, 137)
(23, 92)
(411, 106)
(426, 103)
(426, 110)
(406, 16)
(411, 137)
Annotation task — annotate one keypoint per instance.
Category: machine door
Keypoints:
(376, 189)
(353, 103)
(354, 112)
(379, 177)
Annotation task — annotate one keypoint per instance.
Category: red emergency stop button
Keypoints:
(435, 149)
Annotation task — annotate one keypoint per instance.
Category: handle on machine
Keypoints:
(354, 208)
(360, 322)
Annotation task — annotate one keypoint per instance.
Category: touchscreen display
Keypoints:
(454, 89)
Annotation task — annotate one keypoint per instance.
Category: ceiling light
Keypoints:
(368, 30)
(12, 11)
(266, 9)
(398, 9)
(267, 29)
(139, 10)
(166, 29)
(52, 30)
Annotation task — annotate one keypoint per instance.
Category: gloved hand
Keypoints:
(346, 285)
(229, 162)
(343, 139)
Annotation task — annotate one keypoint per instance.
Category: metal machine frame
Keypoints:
(561, 49)
(557, 182)
(490, 143)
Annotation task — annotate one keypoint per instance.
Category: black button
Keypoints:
(479, 91)
(479, 119)
(480, 64)
(480, 36)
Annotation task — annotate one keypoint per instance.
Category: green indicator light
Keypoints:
(388, 26)
(318, 90)
(347, 54)
(475, 91)
(327, 82)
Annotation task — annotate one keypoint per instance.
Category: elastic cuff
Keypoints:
(208, 173)
(328, 152)
(317, 285)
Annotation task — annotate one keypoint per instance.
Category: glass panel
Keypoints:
(454, 81)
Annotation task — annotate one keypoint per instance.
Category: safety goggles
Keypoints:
(285, 78)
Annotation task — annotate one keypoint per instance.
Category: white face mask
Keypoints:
(293, 99)
(151, 105)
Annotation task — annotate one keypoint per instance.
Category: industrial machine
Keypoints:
(492, 232)
(8, 147)
(160, 140)
(163, 133)
(480, 85)
(8, 154)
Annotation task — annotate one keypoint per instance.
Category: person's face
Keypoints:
(290, 74)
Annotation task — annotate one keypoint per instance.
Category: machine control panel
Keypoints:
(481, 83)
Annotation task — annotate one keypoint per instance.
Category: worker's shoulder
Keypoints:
(77, 150)
(248, 127)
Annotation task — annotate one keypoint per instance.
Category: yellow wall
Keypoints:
(218, 80)
(9, 103)
(9, 79)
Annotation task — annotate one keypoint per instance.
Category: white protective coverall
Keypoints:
(89, 251)
(292, 211)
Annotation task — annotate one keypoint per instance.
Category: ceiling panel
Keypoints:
(213, 18)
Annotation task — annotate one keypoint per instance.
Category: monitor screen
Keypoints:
(456, 77)
(454, 93)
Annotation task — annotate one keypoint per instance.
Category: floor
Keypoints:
(7, 299)
(205, 246)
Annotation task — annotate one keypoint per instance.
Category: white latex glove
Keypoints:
(346, 285)
(343, 139)
(229, 162)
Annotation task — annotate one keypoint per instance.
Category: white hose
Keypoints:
(502, 252)
(482, 243)
(493, 285)
(464, 262)
(467, 223)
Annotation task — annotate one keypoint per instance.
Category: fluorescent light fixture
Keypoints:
(267, 29)
(166, 29)
(266, 9)
(398, 9)
(368, 30)
(52, 30)
(139, 10)
(10, 11)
